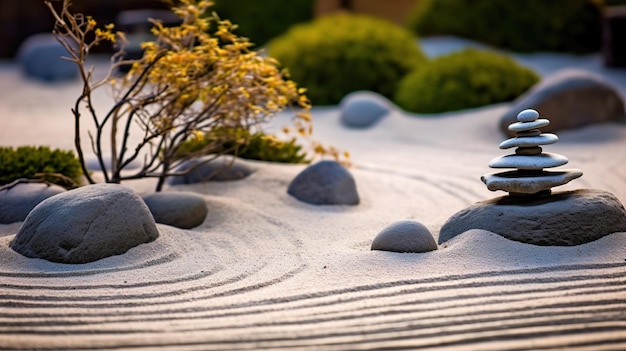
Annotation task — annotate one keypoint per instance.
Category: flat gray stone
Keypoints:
(542, 139)
(39, 57)
(515, 182)
(524, 126)
(203, 169)
(531, 162)
(569, 98)
(17, 202)
(363, 109)
(85, 225)
(184, 210)
(405, 236)
(325, 183)
(561, 219)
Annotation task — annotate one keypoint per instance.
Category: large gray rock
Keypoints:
(363, 109)
(18, 201)
(405, 236)
(570, 99)
(40, 58)
(561, 219)
(204, 169)
(325, 183)
(85, 225)
(179, 209)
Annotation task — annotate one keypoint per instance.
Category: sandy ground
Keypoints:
(265, 271)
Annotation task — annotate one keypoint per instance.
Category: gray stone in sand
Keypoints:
(85, 225)
(570, 98)
(325, 183)
(363, 109)
(18, 201)
(203, 169)
(40, 55)
(561, 219)
(405, 236)
(184, 210)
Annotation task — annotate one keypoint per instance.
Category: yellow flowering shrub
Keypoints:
(189, 82)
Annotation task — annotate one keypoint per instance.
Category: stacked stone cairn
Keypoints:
(529, 178)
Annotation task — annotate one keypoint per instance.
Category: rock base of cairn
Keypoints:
(560, 219)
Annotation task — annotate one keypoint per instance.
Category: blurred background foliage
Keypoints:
(341, 53)
(374, 44)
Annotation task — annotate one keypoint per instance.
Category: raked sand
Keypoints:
(265, 271)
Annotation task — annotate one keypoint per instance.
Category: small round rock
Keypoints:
(528, 115)
(325, 183)
(405, 236)
(363, 109)
(184, 210)
(209, 168)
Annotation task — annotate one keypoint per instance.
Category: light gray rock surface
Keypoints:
(39, 57)
(184, 210)
(540, 161)
(561, 219)
(363, 109)
(325, 183)
(18, 201)
(203, 169)
(529, 141)
(569, 98)
(405, 236)
(85, 225)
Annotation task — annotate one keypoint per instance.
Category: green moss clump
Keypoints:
(26, 161)
(338, 54)
(262, 20)
(242, 143)
(524, 26)
(465, 79)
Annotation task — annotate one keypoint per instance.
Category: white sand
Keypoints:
(267, 271)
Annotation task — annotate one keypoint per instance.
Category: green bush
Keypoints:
(262, 20)
(525, 26)
(253, 146)
(338, 54)
(462, 80)
(26, 161)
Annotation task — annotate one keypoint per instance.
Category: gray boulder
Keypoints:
(18, 201)
(570, 99)
(179, 209)
(39, 57)
(405, 236)
(325, 183)
(363, 109)
(203, 169)
(85, 225)
(561, 219)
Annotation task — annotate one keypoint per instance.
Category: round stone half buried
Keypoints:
(85, 225)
